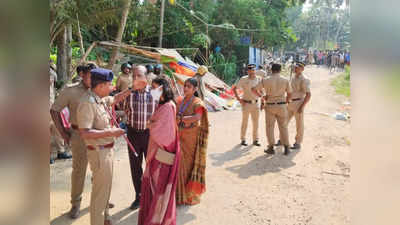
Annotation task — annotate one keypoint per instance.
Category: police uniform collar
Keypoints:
(97, 99)
(82, 85)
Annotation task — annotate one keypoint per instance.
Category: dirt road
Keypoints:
(244, 185)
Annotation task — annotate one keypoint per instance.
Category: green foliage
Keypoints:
(224, 69)
(324, 26)
(53, 58)
(99, 21)
(342, 83)
(201, 40)
(76, 53)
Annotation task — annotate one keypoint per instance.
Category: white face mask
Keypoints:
(156, 93)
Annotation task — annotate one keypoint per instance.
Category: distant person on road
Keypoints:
(150, 76)
(124, 80)
(261, 72)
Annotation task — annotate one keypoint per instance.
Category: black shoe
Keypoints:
(51, 161)
(278, 143)
(243, 143)
(74, 212)
(64, 155)
(256, 143)
(286, 152)
(135, 204)
(270, 150)
(295, 146)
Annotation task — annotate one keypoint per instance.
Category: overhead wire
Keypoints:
(221, 26)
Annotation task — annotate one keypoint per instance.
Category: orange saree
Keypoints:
(193, 143)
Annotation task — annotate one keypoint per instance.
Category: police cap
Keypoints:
(300, 64)
(102, 74)
(251, 66)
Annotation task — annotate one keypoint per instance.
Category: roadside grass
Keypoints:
(342, 83)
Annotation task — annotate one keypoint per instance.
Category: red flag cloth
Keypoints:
(65, 118)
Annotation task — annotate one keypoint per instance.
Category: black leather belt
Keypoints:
(250, 101)
(276, 103)
(296, 99)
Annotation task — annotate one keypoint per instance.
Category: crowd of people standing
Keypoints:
(333, 59)
(169, 132)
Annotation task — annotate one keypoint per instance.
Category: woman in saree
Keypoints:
(193, 133)
(158, 197)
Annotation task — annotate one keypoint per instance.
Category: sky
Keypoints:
(307, 5)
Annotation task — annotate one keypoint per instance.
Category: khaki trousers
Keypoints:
(79, 167)
(56, 142)
(278, 113)
(252, 110)
(101, 165)
(293, 108)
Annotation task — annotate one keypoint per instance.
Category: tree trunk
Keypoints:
(80, 37)
(125, 12)
(61, 41)
(69, 50)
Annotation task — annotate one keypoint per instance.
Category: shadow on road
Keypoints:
(122, 218)
(65, 220)
(265, 164)
(183, 216)
(235, 153)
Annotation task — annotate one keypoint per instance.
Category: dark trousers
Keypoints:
(140, 141)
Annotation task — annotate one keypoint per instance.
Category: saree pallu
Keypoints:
(193, 142)
(158, 202)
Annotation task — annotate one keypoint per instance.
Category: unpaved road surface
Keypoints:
(244, 185)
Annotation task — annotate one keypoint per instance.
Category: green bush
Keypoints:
(53, 58)
(342, 83)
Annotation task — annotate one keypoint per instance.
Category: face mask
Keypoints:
(156, 93)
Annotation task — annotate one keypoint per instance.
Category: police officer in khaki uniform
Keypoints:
(278, 93)
(300, 97)
(150, 76)
(250, 103)
(95, 128)
(70, 97)
(124, 80)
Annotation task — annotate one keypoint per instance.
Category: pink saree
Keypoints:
(158, 201)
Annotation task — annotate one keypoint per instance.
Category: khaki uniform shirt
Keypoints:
(246, 84)
(124, 81)
(70, 97)
(275, 87)
(300, 86)
(92, 114)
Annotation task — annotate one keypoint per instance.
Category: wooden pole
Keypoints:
(80, 37)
